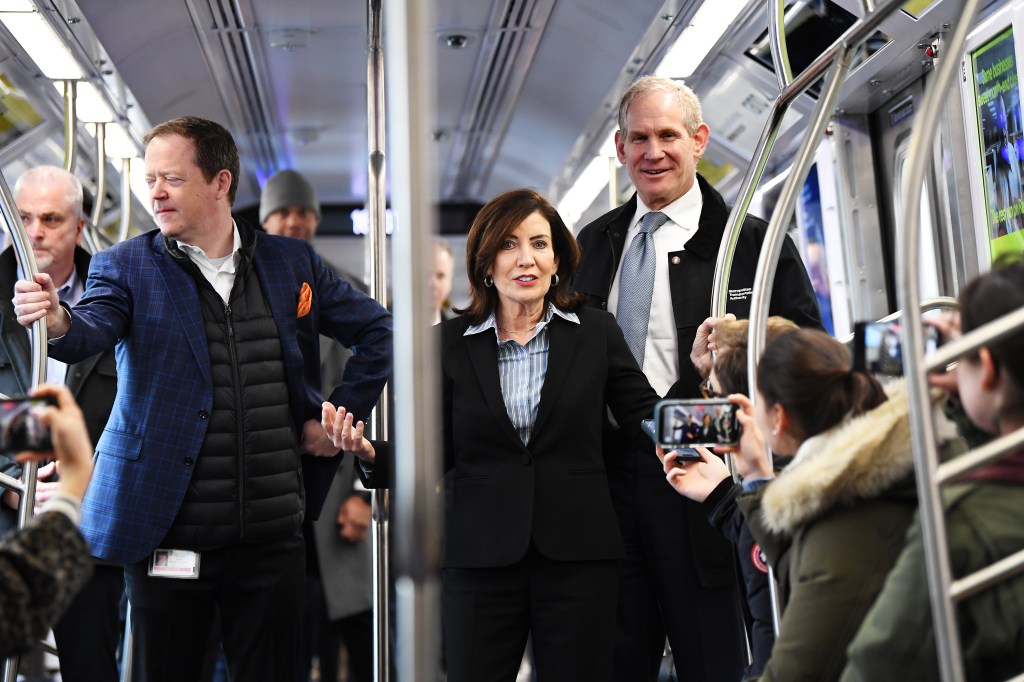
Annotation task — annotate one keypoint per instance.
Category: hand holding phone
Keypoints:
(696, 479)
(68, 439)
(21, 426)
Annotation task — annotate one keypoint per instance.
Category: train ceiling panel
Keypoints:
(518, 81)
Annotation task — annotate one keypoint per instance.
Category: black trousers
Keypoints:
(660, 591)
(256, 589)
(324, 638)
(567, 606)
(89, 632)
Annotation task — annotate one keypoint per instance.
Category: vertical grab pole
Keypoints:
(126, 199)
(377, 208)
(409, 37)
(922, 431)
(70, 130)
(91, 243)
(27, 264)
(771, 249)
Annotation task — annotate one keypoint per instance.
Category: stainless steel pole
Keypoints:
(126, 200)
(922, 431)
(27, 264)
(91, 242)
(409, 39)
(70, 129)
(377, 208)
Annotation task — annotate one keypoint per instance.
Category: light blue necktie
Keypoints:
(636, 284)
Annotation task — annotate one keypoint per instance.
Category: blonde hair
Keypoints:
(689, 103)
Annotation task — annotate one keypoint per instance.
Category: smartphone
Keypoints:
(878, 348)
(684, 424)
(20, 428)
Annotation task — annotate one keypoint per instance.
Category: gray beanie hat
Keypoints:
(287, 188)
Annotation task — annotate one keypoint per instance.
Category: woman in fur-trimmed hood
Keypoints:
(833, 522)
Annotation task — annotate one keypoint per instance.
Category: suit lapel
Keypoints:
(183, 296)
(564, 337)
(483, 354)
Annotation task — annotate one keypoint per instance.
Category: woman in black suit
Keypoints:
(531, 538)
(527, 372)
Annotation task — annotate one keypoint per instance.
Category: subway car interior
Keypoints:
(883, 139)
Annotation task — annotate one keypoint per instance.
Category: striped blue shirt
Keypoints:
(522, 368)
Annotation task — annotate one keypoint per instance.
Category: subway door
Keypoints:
(851, 223)
(893, 124)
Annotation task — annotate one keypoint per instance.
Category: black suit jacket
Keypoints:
(93, 381)
(691, 277)
(553, 490)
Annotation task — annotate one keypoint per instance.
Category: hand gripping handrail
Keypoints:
(27, 265)
(921, 425)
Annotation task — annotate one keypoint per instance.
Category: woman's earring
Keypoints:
(488, 281)
(554, 280)
(775, 432)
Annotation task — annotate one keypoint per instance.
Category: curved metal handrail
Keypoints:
(856, 34)
(771, 249)
(927, 305)
(922, 430)
(777, 36)
(27, 264)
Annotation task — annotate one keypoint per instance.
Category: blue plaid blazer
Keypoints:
(145, 305)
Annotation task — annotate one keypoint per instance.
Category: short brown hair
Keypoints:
(731, 361)
(213, 147)
(492, 225)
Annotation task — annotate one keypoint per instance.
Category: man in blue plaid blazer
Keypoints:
(216, 332)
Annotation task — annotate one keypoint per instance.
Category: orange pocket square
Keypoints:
(305, 300)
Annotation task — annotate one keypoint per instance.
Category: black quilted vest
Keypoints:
(247, 484)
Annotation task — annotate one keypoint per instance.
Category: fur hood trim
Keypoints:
(860, 458)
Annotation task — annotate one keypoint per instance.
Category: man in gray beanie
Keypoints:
(289, 207)
(338, 566)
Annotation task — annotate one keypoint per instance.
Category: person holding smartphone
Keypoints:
(44, 564)
(983, 518)
(832, 523)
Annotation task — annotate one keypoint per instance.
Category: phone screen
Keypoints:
(20, 428)
(693, 423)
(878, 347)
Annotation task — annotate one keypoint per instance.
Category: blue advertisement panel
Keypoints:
(812, 243)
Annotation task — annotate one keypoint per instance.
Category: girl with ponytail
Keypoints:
(833, 522)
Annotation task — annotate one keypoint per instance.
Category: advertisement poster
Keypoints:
(1001, 131)
(812, 245)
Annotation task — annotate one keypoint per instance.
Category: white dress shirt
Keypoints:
(219, 272)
